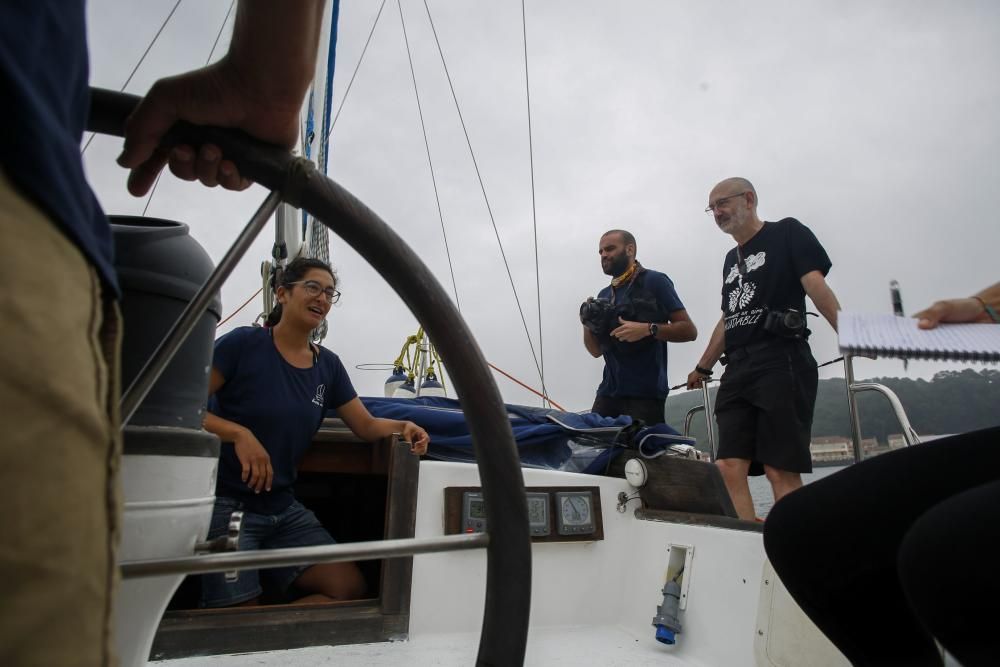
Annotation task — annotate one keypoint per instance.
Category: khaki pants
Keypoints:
(60, 447)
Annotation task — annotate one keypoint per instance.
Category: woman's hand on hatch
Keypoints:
(417, 437)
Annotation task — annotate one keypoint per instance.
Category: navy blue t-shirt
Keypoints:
(774, 261)
(283, 406)
(639, 369)
(44, 69)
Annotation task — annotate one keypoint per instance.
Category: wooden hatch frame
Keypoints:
(198, 632)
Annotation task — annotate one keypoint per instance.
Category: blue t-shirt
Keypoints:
(639, 369)
(283, 406)
(44, 69)
(768, 278)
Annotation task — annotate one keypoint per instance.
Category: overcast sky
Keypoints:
(874, 123)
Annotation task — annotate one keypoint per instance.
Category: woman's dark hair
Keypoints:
(293, 273)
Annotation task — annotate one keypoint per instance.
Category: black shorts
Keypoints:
(764, 407)
(649, 410)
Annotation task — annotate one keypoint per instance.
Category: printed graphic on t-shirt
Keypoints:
(741, 295)
(769, 278)
(320, 393)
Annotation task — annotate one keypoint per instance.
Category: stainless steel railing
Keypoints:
(853, 389)
(709, 411)
(333, 553)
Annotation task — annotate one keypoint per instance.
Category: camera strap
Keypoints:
(741, 263)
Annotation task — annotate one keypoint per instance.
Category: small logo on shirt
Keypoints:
(318, 399)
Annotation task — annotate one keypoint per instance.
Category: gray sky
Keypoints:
(874, 123)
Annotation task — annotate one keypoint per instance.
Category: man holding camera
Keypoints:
(764, 407)
(630, 323)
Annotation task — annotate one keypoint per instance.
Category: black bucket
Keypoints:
(161, 268)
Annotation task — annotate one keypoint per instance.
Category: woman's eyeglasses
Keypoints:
(314, 289)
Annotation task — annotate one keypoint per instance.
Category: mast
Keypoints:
(295, 234)
(316, 126)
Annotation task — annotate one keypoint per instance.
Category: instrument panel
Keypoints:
(555, 514)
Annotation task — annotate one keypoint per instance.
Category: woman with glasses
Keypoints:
(269, 390)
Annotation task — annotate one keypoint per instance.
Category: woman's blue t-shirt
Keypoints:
(283, 406)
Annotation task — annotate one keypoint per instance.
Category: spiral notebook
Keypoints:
(887, 335)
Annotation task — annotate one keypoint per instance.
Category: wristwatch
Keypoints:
(653, 328)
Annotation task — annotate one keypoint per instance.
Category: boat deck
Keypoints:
(547, 646)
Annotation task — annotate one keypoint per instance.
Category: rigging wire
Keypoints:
(430, 163)
(245, 304)
(542, 394)
(534, 214)
(138, 64)
(215, 44)
(532, 390)
(482, 186)
(357, 67)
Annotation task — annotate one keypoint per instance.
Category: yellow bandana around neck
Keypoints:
(627, 276)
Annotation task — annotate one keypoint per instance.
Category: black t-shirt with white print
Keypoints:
(774, 261)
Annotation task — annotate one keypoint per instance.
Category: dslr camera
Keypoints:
(599, 316)
(787, 323)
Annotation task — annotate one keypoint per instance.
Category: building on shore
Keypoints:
(838, 450)
(831, 449)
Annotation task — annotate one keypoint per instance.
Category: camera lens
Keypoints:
(793, 320)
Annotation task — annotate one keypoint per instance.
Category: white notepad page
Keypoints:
(890, 335)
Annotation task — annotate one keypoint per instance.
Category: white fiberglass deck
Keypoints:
(550, 646)
(592, 602)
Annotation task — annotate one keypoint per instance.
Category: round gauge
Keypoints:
(635, 473)
(575, 510)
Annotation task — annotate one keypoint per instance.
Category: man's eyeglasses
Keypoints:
(314, 289)
(721, 202)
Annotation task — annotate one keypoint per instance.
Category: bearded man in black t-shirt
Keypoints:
(764, 407)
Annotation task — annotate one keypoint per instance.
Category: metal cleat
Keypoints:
(228, 542)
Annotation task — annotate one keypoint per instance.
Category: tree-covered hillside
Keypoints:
(951, 402)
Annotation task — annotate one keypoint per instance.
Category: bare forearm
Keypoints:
(677, 332)
(378, 428)
(274, 47)
(822, 296)
(826, 301)
(990, 296)
(228, 431)
(590, 342)
(983, 306)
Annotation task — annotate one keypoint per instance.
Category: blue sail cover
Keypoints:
(546, 438)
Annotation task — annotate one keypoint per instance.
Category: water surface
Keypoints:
(760, 488)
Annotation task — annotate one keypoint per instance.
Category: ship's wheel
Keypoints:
(508, 578)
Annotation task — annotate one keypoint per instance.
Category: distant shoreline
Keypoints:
(832, 463)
